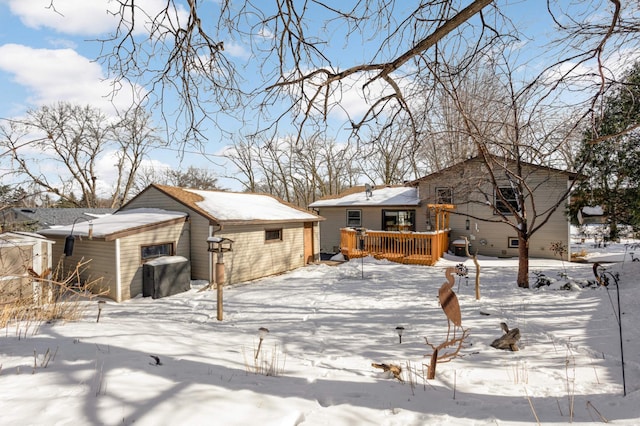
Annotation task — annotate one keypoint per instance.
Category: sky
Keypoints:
(48, 54)
(169, 361)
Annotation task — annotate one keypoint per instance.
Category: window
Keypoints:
(444, 195)
(513, 242)
(354, 218)
(399, 220)
(273, 235)
(509, 194)
(156, 250)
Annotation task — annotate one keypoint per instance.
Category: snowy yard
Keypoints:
(327, 325)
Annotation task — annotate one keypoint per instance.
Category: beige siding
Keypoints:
(253, 257)
(101, 266)
(130, 254)
(101, 256)
(548, 187)
(198, 254)
(336, 218)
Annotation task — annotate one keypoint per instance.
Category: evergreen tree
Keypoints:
(611, 154)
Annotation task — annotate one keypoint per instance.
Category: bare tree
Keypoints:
(65, 160)
(304, 75)
(134, 136)
(503, 125)
(296, 172)
(184, 44)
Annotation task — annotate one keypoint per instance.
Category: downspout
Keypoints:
(118, 273)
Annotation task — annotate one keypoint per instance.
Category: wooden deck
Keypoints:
(416, 248)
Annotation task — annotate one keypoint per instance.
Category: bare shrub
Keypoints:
(56, 296)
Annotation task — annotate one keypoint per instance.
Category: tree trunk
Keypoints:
(523, 262)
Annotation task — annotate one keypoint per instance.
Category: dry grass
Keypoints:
(577, 256)
(266, 364)
(55, 297)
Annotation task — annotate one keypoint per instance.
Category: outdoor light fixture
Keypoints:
(101, 303)
(400, 330)
(70, 240)
(262, 333)
(68, 244)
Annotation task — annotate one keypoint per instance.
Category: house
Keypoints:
(466, 187)
(23, 256)
(36, 218)
(381, 208)
(117, 246)
(269, 236)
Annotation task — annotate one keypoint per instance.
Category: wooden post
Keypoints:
(219, 284)
(431, 372)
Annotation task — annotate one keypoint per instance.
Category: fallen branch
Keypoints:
(509, 340)
(396, 370)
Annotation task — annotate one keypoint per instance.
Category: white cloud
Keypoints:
(52, 75)
(68, 17)
(82, 17)
(236, 50)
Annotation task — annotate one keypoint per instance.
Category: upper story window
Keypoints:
(509, 195)
(156, 250)
(444, 195)
(354, 218)
(271, 235)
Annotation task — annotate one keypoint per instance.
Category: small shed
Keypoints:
(117, 246)
(23, 256)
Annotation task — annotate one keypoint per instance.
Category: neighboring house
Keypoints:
(464, 185)
(117, 246)
(36, 218)
(591, 216)
(269, 236)
(380, 208)
(23, 256)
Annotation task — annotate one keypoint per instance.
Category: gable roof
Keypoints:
(498, 159)
(383, 196)
(236, 207)
(119, 224)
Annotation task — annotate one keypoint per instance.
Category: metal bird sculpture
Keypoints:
(449, 300)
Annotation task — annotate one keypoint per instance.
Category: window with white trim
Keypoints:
(509, 195)
(354, 218)
(444, 195)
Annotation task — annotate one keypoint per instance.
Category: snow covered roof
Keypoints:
(229, 207)
(387, 196)
(18, 238)
(126, 220)
(593, 211)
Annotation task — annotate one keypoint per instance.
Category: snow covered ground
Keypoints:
(327, 325)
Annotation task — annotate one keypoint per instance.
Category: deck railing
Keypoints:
(420, 248)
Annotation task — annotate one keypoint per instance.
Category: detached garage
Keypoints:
(269, 236)
(117, 247)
